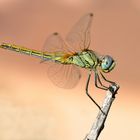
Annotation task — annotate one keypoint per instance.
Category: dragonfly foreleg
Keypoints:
(98, 79)
(106, 79)
(87, 84)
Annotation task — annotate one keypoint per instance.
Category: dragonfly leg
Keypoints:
(87, 84)
(101, 82)
(98, 79)
(106, 79)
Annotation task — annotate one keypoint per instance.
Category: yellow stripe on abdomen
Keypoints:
(54, 56)
(21, 50)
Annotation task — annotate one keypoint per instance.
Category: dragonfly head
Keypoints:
(107, 63)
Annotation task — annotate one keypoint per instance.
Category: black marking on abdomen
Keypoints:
(14, 49)
(24, 51)
(35, 53)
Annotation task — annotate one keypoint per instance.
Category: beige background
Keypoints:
(31, 107)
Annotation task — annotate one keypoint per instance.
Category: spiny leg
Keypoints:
(106, 79)
(87, 84)
(98, 79)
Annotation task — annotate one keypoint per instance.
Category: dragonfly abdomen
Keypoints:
(45, 56)
(21, 50)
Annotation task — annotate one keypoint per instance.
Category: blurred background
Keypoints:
(31, 107)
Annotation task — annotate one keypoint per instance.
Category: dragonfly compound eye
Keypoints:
(107, 64)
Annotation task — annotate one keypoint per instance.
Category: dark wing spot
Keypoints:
(91, 14)
(55, 33)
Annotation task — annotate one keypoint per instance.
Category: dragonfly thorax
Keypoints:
(85, 59)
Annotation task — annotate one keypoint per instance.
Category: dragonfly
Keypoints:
(65, 56)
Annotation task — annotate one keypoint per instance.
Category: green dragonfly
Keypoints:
(65, 57)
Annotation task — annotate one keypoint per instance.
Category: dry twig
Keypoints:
(98, 125)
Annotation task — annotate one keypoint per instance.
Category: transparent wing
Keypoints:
(64, 76)
(79, 37)
(55, 43)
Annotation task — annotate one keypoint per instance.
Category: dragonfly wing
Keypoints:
(64, 76)
(79, 36)
(55, 43)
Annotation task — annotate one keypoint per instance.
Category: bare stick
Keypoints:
(98, 125)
